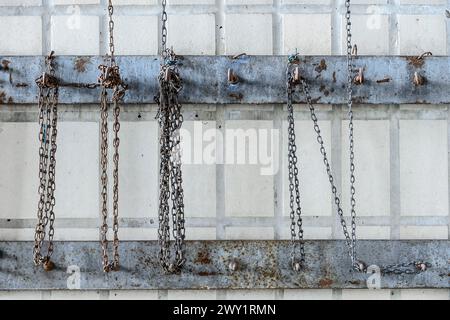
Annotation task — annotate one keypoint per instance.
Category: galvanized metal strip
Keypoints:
(262, 264)
(388, 79)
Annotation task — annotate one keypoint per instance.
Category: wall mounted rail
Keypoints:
(261, 264)
(256, 79)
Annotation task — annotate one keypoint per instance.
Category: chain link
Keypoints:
(171, 182)
(111, 33)
(350, 127)
(110, 79)
(164, 30)
(296, 227)
(48, 119)
(293, 171)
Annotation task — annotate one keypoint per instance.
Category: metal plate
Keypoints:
(388, 79)
(262, 264)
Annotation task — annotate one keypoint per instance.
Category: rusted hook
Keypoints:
(296, 77)
(418, 80)
(425, 54)
(232, 77)
(48, 265)
(233, 265)
(167, 74)
(355, 50)
(359, 79)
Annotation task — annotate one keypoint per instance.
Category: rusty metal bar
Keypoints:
(256, 79)
(258, 264)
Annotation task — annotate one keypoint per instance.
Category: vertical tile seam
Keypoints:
(336, 28)
(336, 165)
(394, 31)
(277, 28)
(278, 177)
(220, 27)
(46, 28)
(394, 167)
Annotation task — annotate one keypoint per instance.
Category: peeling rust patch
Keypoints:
(203, 258)
(21, 85)
(325, 282)
(81, 64)
(322, 66)
(334, 77)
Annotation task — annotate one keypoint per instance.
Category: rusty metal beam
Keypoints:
(261, 79)
(261, 264)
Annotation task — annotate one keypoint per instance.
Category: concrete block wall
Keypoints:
(402, 152)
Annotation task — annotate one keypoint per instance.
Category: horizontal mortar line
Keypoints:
(150, 10)
(152, 222)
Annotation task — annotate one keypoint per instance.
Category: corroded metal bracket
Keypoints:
(257, 79)
(262, 264)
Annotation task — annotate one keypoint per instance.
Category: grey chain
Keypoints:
(170, 121)
(295, 214)
(293, 171)
(401, 268)
(351, 136)
(48, 119)
(110, 79)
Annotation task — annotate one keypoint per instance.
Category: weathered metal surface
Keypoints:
(388, 79)
(262, 264)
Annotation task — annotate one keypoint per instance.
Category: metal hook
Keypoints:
(425, 54)
(233, 265)
(167, 74)
(296, 75)
(355, 50)
(359, 79)
(418, 79)
(232, 77)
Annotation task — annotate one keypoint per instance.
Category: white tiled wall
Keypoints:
(401, 154)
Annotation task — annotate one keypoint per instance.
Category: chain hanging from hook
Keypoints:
(293, 80)
(110, 80)
(170, 121)
(48, 119)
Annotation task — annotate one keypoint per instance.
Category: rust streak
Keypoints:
(322, 66)
(203, 258)
(325, 282)
(81, 63)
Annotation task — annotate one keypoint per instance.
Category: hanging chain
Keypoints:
(164, 30)
(48, 118)
(292, 81)
(110, 79)
(350, 238)
(111, 33)
(294, 184)
(350, 69)
(170, 121)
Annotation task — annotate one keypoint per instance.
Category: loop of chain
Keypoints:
(171, 183)
(110, 79)
(48, 118)
(111, 33)
(164, 30)
(296, 227)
